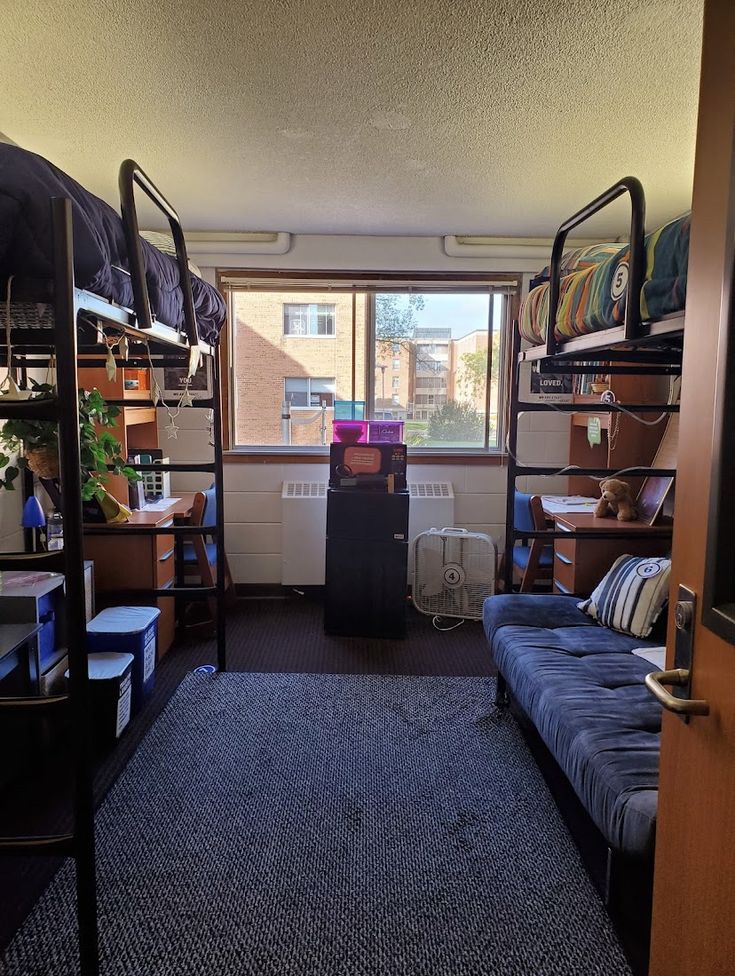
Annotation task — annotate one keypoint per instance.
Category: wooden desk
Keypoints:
(141, 562)
(580, 564)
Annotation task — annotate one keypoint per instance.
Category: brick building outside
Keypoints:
(298, 347)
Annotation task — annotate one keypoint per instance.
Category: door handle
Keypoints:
(655, 682)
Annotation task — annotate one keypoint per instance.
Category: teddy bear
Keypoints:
(616, 499)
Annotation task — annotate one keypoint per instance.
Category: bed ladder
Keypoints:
(80, 843)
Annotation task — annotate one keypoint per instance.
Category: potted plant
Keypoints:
(36, 444)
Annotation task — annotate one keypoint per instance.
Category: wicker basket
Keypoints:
(43, 462)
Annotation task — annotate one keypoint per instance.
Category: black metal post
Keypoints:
(220, 526)
(515, 375)
(69, 465)
(632, 186)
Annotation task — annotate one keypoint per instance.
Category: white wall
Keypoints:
(253, 490)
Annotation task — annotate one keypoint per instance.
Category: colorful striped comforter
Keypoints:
(595, 282)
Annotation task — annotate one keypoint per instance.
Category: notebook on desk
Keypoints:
(567, 504)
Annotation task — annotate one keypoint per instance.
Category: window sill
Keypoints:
(243, 456)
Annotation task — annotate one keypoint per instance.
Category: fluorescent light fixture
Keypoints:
(479, 246)
(237, 242)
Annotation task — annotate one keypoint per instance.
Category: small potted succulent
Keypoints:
(35, 444)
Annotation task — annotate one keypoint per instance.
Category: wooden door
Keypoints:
(694, 890)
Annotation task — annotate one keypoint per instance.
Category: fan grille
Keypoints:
(453, 573)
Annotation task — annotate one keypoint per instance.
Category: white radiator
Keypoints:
(303, 533)
(431, 506)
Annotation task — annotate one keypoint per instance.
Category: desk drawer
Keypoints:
(564, 572)
(166, 565)
(566, 548)
(163, 542)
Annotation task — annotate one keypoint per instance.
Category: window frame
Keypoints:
(230, 280)
(309, 380)
(308, 334)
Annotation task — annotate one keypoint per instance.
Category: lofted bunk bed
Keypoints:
(618, 311)
(78, 281)
(598, 302)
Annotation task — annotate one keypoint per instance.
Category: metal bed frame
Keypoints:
(639, 341)
(77, 309)
(634, 348)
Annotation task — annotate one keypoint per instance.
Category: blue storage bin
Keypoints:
(47, 605)
(131, 630)
(349, 409)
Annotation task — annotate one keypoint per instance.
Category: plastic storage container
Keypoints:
(385, 432)
(349, 409)
(349, 431)
(130, 630)
(55, 531)
(110, 677)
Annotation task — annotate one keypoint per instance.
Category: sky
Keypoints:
(462, 312)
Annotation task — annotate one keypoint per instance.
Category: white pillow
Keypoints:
(654, 655)
(631, 595)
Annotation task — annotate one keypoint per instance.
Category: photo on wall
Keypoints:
(172, 380)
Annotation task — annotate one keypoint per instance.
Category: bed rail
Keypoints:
(130, 174)
(633, 187)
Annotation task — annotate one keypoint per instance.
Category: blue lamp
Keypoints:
(33, 517)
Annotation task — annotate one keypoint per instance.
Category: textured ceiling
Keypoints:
(496, 117)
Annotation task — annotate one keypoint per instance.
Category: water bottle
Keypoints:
(55, 531)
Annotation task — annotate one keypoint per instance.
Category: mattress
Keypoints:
(584, 691)
(594, 286)
(28, 183)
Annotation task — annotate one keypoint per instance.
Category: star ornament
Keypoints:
(110, 365)
(172, 430)
(186, 399)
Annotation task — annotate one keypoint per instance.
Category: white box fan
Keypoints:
(454, 571)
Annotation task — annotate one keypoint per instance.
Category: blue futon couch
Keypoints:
(583, 690)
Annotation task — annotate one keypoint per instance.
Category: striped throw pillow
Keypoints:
(631, 596)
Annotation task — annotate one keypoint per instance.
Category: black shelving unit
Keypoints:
(74, 332)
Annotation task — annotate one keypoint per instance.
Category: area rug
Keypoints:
(330, 825)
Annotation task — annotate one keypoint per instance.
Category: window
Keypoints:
(452, 341)
(432, 357)
(307, 391)
(308, 320)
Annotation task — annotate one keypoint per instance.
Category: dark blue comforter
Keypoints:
(27, 184)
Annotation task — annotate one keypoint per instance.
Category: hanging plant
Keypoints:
(36, 444)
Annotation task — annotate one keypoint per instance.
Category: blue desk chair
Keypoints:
(199, 554)
(533, 561)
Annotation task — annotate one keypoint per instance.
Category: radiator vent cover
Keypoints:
(303, 532)
(304, 489)
(431, 507)
(431, 489)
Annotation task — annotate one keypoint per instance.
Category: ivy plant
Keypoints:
(98, 447)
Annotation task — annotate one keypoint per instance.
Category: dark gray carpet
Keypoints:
(290, 825)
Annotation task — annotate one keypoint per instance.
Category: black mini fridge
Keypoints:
(367, 563)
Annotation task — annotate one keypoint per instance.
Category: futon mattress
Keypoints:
(594, 286)
(27, 185)
(584, 691)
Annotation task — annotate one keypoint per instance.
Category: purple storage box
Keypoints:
(349, 431)
(385, 432)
